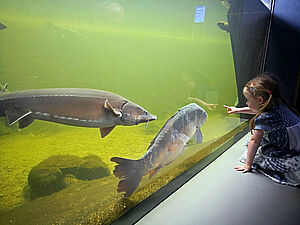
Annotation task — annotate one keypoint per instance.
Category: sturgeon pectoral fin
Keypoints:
(14, 114)
(105, 131)
(109, 107)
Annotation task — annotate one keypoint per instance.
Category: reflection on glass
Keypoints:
(152, 53)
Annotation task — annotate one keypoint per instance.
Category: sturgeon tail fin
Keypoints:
(130, 172)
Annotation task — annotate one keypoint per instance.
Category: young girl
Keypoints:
(274, 147)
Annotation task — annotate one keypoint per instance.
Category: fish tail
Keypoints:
(131, 172)
(3, 88)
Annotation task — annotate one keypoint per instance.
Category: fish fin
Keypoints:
(14, 114)
(109, 107)
(153, 172)
(129, 185)
(25, 121)
(105, 131)
(198, 136)
(131, 172)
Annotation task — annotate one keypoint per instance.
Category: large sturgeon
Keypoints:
(72, 106)
(164, 148)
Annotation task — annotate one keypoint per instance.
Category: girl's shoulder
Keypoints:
(268, 119)
(276, 117)
(286, 115)
(264, 121)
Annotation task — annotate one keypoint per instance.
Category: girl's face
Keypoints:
(252, 102)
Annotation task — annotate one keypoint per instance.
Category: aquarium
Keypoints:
(161, 56)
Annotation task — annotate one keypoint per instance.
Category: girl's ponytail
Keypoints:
(262, 109)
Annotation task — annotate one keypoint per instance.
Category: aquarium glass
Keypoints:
(157, 54)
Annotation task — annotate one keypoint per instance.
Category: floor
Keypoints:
(220, 196)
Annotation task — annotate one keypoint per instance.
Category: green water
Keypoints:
(150, 52)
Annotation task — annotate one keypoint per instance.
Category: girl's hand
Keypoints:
(245, 168)
(231, 109)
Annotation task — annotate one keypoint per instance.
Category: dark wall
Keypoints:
(249, 27)
(283, 52)
(266, 39)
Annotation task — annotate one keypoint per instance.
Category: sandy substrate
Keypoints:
(95, 201)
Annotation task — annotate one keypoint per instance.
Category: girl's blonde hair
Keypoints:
(267, 87)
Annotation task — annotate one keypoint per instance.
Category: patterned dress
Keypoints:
(278, 156)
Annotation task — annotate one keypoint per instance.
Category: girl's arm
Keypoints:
(252, 148)
(232, 109)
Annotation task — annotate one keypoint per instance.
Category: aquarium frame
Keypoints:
(144, 207)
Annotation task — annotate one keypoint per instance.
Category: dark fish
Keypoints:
(2, 26)
(164, 149)
(72, 106)
(3, 88)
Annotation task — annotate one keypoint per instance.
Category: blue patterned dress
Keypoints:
(278, 156)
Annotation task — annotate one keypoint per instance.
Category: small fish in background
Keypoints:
(72, 106)
(223, 26)
(164, 148)
(3, 88)
(226, 3)
(2, 26)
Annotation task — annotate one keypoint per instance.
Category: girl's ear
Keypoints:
(260, 100)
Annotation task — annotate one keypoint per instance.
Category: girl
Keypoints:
(274, 147)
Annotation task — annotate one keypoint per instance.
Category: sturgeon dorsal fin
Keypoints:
(15, 114)
(109, 107)
(105, 131)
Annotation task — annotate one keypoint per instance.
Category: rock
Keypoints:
(70, 179)
(92, 167)
(52, 174)
(44, 181)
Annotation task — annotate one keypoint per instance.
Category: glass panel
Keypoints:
(157, 54)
